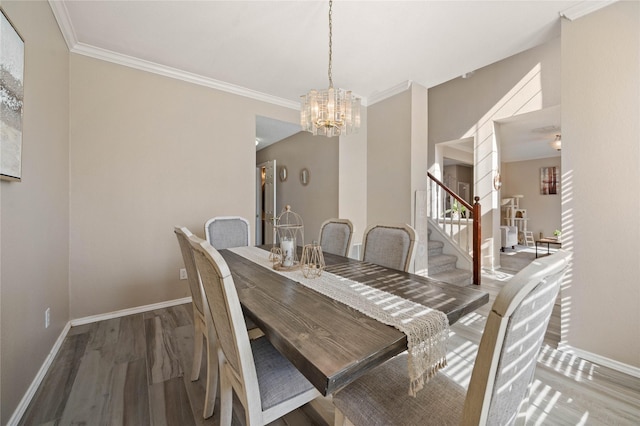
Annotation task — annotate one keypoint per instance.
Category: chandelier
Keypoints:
(330, 112)
(556, 143)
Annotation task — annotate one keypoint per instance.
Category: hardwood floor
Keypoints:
(135, 370)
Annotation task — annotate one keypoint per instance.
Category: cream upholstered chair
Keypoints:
(335, 236)
(202, 323)
(227, 231)
(508, 237)
(391, 246)
(266, 383)
(503, 369)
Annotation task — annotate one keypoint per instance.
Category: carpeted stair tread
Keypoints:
(434, 247)
(442, 259)
(441, 263)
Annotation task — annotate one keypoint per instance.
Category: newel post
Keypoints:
(477, 234)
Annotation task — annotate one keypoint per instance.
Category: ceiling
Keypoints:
(277, 50)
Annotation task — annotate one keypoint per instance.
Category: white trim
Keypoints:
(129, 311)
(584, 8)
(61, 14)
(380, 96)
(601, 360)
(33, 387)
(31, 390)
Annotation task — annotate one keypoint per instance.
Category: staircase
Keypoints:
(442, 267)
(459, 226)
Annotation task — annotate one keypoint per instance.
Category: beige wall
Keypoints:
(397, 162)
(318, 201)
(35, 212)
(148, 153)
(468, 108)
(523, 177)
(388, 159)
(352, 192)
(601, 173)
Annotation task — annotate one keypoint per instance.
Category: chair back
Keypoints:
(511, 340)
(391, 246)
(227, 231)
(228, 320)
(335, 236)
(193, 278)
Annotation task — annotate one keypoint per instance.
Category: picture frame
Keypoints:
(549, 180)
(12, 99)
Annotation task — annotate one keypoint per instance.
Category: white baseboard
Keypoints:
(31, 390)
(601, 360)
(129, 311)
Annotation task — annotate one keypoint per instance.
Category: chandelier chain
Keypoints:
(330, 42)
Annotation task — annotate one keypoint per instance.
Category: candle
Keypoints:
(286, 244)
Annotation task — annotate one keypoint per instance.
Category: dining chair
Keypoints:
(391, 246)
(227, 231)
(202, 323)
(335, 236)
(502, 373)
(266, 383)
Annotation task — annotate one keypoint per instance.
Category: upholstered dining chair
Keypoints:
(335, 236)
(266, 383)
(502, 373)
(227, 231)
(202, 323)
(391, 246)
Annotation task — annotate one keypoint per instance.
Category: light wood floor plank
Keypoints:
(50, 400)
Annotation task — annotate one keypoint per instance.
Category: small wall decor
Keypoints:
(548, 180)
(284, 174)
(304, 177)
(497, 181)
(11, 87)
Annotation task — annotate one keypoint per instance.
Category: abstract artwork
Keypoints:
(11, 98)
(548, 180)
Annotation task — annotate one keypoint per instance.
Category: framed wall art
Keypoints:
(549, 180)
(11, 100)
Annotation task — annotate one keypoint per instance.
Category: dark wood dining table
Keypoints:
(329, 342)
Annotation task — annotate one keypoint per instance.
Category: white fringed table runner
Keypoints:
(427, 329)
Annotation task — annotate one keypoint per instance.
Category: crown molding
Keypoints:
(141, 64)
(584, 8)
(61, 14)
(387, 93)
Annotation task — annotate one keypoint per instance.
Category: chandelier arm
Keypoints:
(330, 43)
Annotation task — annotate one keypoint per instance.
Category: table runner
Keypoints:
(427, 329)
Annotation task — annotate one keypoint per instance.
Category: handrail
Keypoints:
(457, 229)
(450, 192)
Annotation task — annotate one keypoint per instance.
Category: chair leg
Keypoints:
(198, 335)
(339, 419)
(212, 379)
(226, 399)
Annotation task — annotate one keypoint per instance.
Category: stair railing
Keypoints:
(458, 220)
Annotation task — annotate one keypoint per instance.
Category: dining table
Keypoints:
(330, 343)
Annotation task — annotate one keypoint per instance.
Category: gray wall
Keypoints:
(317, 201)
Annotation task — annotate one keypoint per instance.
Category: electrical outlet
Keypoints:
(183, 274)
(47, 317)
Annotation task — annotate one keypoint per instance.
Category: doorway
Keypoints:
(265, 202)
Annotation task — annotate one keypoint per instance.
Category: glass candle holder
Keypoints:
(312, 261)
